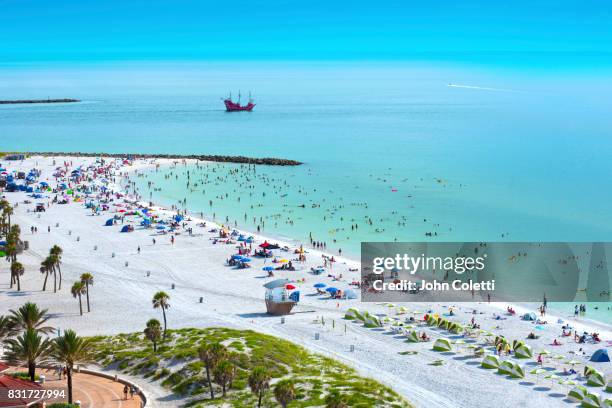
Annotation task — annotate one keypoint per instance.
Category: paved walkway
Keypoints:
(91, 390)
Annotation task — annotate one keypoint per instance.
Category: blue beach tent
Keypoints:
(295, 296)
(601, 356)
(109, 222)
(530, 316)
(126, 228)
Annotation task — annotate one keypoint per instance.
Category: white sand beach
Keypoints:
(194, 266)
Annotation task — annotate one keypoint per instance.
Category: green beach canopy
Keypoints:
(577, 393)
(591, 401)
(442, 345)
(413, 337)
(505, 367)
(490, 362)
(352, 314)
(609, 386)
(432, 321)
(523, 351)
(517, 371)
(456, 328)
(596, 379)
(371, 321)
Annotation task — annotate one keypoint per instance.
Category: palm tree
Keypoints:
(29, 316)
(284, 392)
(28, 349)
(153, 332)
(224, 374)
(210, 354)
(53, 263)
(6, 327)
(160, 300)
(259, 382)
(17, 270)
(46, 267)
(7, 211)
(335, 400)
(70, 350)
(77, 290)
(87, 279)
(57, 252)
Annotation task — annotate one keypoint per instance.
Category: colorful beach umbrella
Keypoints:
(290, 287)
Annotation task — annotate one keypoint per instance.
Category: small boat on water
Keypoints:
(278, 301)
(231, 106)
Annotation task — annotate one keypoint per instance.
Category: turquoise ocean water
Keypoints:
(499, 155)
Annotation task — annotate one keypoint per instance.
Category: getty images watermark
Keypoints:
(475, 271)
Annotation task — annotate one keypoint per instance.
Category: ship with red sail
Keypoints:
(231, 106)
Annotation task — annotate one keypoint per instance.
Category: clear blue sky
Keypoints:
(98, 30)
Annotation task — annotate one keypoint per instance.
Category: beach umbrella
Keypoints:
(267, 268)
(264, 245)
(544, 352)
(331, 289)
(319, 285)
(537, 372)
(573, 362)
(390, 305)
(246, 259)
(283, 261)
(567, 382)
(290, 287)
(236, 256)
(552, 377)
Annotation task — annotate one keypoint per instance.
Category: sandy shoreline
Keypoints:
(195, 266)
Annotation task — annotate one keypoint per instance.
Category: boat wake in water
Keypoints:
(482, 88)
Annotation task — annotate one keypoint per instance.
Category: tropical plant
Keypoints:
(335, 400)
(57, 252)
(88, 280)
(224, 374)
(70, 350)
(284, 392)
(153, 332)
(46, 267)
(78, 290)
(259, 382)
(17, 270)
(29, 349)
(211, 354)
(160, 301)
(6, 328)
(29, 316)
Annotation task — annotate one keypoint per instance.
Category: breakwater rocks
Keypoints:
(269, 161)
(16, 101)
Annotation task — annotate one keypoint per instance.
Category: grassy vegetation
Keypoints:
(177, 367)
